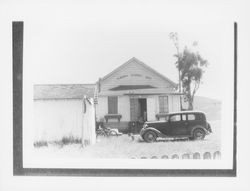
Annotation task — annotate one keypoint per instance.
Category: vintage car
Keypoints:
(191, 124)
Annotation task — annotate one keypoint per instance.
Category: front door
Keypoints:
(178, 125)
(142, 109)
(164, 128)
(134, 109)
(138, 111)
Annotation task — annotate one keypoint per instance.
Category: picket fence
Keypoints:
(196, 155)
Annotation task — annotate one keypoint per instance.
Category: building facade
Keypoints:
(134, 93)
(124, 99)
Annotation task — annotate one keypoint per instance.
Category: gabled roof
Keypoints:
(143, 65)
(63, 91)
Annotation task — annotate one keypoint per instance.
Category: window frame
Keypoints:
(175, 120)
(191, 119)
(164, 105)
(186, 117)
(115, 108)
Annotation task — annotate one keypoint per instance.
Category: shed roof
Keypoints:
(63, 91)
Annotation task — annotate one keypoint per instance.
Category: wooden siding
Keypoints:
(134, 74)
(55, 119)
(163, 104)
(101, 108)
(126, 106)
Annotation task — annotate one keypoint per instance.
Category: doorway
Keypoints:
(138, 114)
(142, 114)
(138, 109)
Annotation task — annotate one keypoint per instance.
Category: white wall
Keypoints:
(54, 119)
(124, 107)
(152, 107)
(89, 130)
(101, 107)
(175, 103)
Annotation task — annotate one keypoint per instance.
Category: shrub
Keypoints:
(40, 144)
(70, 140)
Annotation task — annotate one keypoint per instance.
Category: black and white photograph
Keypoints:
(138, 90)
(128, 96)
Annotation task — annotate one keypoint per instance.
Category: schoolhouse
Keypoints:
(125, 98)
(134, 93)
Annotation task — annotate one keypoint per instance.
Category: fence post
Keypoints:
(207, 155)
(217, 155)
(175, 156)
(185, 156)
(196, 156)
(164, 157)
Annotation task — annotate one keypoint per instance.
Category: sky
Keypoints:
(79, 43)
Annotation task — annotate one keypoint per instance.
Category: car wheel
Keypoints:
(112, 133)
(150, 137)
(199, 134)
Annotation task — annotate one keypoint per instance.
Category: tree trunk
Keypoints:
(190, 105)
(190, 98)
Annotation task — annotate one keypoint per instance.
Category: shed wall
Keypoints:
(55, 119)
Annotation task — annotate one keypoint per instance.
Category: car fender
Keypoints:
(158, 133)
(198, 127)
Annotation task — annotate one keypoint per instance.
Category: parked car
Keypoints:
(191, 124)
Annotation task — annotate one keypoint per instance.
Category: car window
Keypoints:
(167, 118)
(201, 117)
(191, 117)
(184, 117)
(175, 118)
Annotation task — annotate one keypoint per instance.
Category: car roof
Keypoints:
(186, 112)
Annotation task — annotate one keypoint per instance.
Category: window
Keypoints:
(175, 118)
(184, 117)
(201, 117)
(191, 117)
(112, 105)
(163, 104)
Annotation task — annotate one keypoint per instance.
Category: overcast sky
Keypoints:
(78, 43)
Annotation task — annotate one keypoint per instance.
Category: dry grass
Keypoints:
(63, 142)
(39, 144)
(125, 147)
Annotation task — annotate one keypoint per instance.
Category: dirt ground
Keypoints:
(125, 147)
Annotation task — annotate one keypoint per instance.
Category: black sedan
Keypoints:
(191, 124)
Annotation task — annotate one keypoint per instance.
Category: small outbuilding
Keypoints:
(64, 111)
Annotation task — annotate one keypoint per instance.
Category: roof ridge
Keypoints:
(118, 68)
